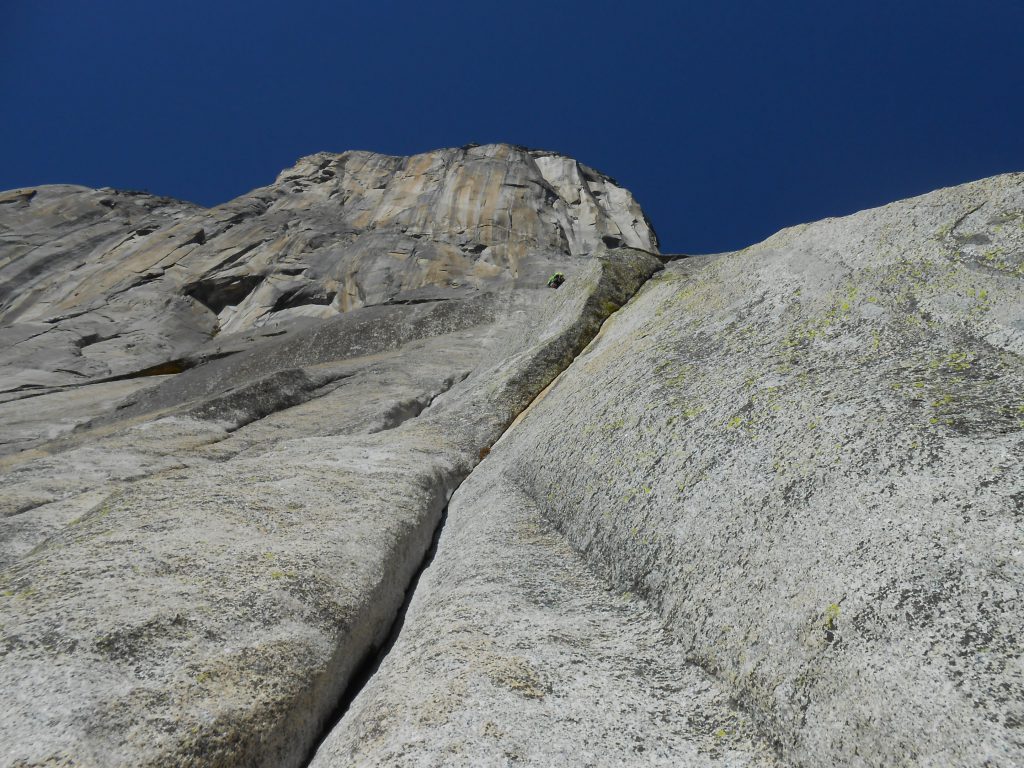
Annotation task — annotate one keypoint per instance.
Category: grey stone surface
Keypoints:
(191, 574)
(513, 652)
(99, 283)
(809, 457)
(770, 515)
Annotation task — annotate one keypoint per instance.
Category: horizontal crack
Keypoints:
(405, 410)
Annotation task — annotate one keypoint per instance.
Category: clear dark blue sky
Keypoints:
(728, 119)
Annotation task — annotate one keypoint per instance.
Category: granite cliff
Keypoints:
(758, 508)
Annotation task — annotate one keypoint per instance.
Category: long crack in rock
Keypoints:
(371, 662)
(206, 560)
(808, 457)
(771, 514)
(514, 651)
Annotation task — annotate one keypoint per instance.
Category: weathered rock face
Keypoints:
(514, 652)
(808, 458)
(193, 573)
(771, 514)
(97, 283)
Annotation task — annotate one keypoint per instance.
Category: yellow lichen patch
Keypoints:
(958, 360)
(516, 674)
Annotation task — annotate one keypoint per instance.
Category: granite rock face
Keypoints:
(752, 509)
(808, 458)
(513, 652)
(96, 284)
(238, 430)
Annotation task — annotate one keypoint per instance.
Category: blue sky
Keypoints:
(727, 119)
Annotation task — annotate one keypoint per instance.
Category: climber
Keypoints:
(556, 280)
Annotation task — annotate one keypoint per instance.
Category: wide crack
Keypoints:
(375, 656)
(392, 617)
(372, 660)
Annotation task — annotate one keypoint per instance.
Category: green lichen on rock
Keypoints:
(858, 444)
